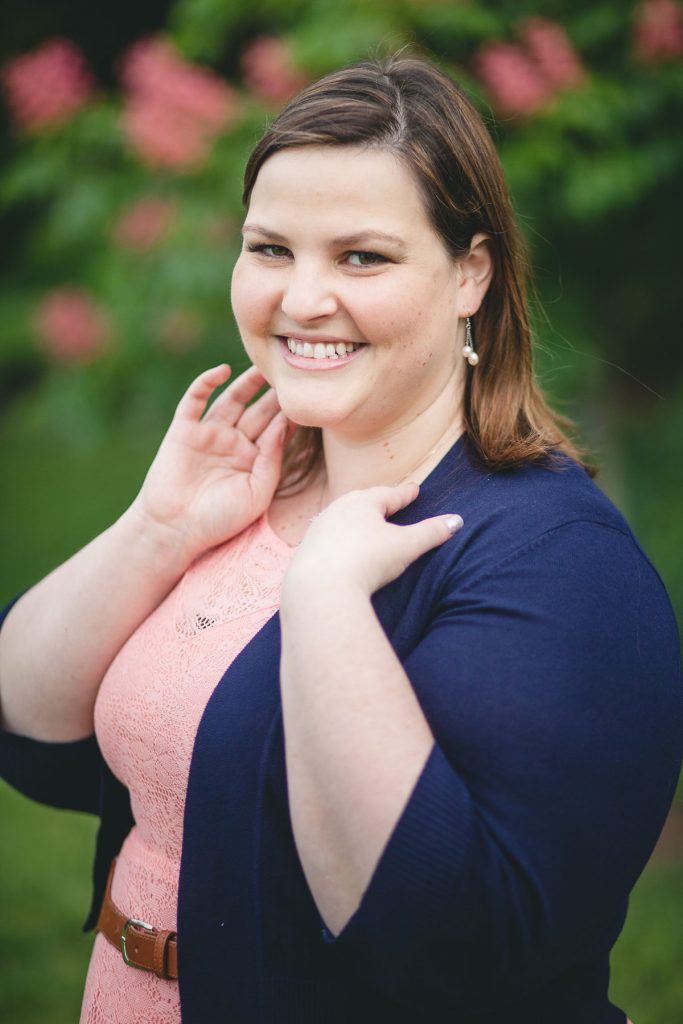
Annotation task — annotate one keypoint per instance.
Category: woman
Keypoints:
(425, 787)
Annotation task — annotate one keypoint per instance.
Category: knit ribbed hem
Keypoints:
(415, 884)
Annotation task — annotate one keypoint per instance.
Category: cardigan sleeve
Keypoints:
(65, 775)
(552, 687)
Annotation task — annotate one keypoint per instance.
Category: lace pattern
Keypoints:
(146, 717)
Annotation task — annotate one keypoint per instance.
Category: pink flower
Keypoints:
(161, 138)
(142, 225)
(658, 30)
(153, 68)
(549, 45)
(47, 87)
(72, 328)
(269, 70)
(521, 79)
(514, 82)
(173, 110)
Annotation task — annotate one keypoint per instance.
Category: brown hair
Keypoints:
(409, 107)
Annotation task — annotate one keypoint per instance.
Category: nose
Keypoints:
(308, 294)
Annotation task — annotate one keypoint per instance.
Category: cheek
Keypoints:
(250, 298)
(385, 313)
(407, 311)
(424, 320)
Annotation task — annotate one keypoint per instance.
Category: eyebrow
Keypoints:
(345, 240)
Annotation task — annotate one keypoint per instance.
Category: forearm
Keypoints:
(59, 639)
(356, 742)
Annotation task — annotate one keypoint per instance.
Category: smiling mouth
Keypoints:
(318, 349)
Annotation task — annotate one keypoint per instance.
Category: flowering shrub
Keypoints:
(70, 325)
(521, 79)
(515, 84)
(47, 87)
(144, 224)
(549, 46)
(658, 30)
(269, 70)
(172, 110)
(129, 202)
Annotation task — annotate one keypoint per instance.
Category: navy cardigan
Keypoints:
(544, 653)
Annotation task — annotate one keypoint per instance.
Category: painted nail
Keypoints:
(454, 523)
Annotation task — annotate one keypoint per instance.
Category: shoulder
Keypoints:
(545, 592)
(507, 513)
(531, 500)
(535, 538)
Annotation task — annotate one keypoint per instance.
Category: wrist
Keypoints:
(163, 550)
(313, 594)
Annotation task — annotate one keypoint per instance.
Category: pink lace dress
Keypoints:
(146, 718)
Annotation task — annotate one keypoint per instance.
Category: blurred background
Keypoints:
(123, 136)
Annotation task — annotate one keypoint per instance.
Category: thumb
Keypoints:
(429, 533)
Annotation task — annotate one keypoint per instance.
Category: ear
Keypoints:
(476, 271)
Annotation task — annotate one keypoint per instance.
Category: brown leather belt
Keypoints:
(140, 944)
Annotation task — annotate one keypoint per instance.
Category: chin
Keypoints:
(310, 420)
(310, 415)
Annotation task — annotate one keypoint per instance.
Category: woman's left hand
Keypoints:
(350, 543)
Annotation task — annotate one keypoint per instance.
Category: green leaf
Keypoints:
(346, 40)
(200, 27)
(452, 27)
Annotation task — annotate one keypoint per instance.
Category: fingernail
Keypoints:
(454, 523)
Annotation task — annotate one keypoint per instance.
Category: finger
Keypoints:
(270, 445)
(393, 499)
(230, 405)
(193, 403)
(427, 534)
(258, 415)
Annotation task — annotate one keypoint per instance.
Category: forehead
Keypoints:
(338, 186)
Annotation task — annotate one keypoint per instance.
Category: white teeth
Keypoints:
(320, 350)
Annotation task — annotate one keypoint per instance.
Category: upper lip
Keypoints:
(325, 339)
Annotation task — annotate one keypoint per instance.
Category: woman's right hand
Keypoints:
(214, 474)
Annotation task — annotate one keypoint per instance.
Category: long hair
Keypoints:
(408, 107)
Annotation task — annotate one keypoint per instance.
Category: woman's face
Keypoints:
(339, 252)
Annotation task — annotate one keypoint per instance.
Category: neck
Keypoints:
(408, 451)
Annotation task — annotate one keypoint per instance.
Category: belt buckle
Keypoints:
(133, 922)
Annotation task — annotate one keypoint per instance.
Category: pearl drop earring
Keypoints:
(468, 348)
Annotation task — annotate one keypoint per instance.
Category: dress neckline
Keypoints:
(450, 456)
